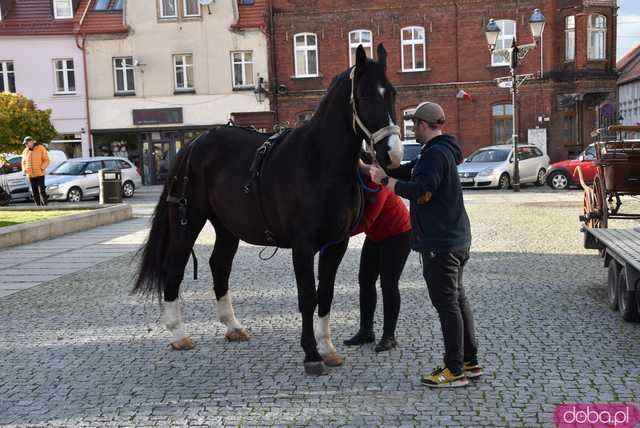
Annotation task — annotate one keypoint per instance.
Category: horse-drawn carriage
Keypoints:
(618, 176)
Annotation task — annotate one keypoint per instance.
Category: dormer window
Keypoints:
(62, 9)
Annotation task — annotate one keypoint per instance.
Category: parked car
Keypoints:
(13, 180)
(77, 179)
(411, 151)
(563, 174)
(492, 166)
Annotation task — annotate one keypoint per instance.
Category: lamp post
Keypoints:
(513, 56)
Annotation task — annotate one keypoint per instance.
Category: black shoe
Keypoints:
(386, 344)
(361, 338)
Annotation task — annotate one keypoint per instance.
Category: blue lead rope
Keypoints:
(360, 215)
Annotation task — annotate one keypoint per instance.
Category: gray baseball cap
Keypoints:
(26, 140)
(429, 112)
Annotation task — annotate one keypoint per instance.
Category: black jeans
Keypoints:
(385, 259)
(38, 189)
(443, 273)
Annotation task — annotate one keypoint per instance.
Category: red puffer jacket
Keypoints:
(385, 215)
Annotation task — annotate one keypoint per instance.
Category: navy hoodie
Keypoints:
(442, 224)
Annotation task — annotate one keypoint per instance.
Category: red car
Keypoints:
(563, 174)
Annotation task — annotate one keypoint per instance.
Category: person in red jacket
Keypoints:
(387, 227)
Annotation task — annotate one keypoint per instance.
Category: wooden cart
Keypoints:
(618, 174)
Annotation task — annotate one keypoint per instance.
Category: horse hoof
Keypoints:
(237, 335)
(333, 359)
(316, 368)
(183, 344)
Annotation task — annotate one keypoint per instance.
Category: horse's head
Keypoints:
(373, 107)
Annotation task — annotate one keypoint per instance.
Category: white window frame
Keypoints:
(184, 10)
(413, 43)
(125, 67)
(503, 42)
(55, 9)
(354, 45)
(570, 42)
(4, 74)
(243, 62)
(601, 31)
(408, 134)
(163, 15)
(305, 51)
(65, 75)
(183, 67)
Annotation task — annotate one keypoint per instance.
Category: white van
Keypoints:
(13, 180)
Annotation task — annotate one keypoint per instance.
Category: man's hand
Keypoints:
(424, 199)
(376, 173)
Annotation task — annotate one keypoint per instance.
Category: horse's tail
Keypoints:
(151, 276)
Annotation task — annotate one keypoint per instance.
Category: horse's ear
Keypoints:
(382, 56)
(361, 58)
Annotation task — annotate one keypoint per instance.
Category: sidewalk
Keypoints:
(30, 265)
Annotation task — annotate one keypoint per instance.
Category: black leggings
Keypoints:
(385, 259)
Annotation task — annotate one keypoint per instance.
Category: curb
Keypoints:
(21, 234)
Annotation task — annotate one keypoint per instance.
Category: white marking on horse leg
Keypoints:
(172, 319)
(226, 314)
(396, 149)
(323, 336)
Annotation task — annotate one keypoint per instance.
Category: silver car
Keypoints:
(77, 179)
(492, 166)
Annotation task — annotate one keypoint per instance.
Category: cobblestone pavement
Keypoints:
(80, 351)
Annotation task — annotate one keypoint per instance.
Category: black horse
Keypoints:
(306, 197)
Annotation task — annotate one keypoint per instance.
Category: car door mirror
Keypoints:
(88, 171)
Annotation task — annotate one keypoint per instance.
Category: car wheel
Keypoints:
(128, 189)
(626, 298)
(74, 195)
(505, 182)
(540, 180)
(558, 180)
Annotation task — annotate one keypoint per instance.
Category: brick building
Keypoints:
(437, 51)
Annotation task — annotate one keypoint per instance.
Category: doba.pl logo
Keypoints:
(597, 415)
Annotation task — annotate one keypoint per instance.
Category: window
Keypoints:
(360, 37)
(92, 167)
(183, 65)
(62, 9)
(597, 37)
(191, 8)
(502, 116)
(168, 9)
(117, 5)
(65, 76)
(247, 2)
(124, 165)
(413, 49)
(306, 54)
(242, 69)
(304, 117)
(7, 77)
(505, 39)
(590, 153)
(11, 166)
(102, 5)
(123, 73)
(570, 38)
(408, 124)
(111, 164)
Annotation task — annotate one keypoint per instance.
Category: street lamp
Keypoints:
(513, 55)
(260, 90)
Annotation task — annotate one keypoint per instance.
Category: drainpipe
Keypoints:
(86, 80)
(272, 57)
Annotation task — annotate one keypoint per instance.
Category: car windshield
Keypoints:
(489, 155)
(69, 168)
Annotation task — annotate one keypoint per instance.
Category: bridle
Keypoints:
(372, 137)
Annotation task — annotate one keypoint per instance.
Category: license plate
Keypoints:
(466, 180)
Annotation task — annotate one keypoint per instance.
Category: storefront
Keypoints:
(151, 150)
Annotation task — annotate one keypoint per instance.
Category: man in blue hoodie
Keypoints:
(442, 234)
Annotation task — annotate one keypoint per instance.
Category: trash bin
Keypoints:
(110, 186)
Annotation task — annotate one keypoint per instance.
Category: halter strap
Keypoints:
(373, 137)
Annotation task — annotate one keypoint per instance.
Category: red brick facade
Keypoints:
(564, 100)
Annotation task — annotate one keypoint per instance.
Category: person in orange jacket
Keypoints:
(35, 160)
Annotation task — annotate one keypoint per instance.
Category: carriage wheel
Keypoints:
(600, 207)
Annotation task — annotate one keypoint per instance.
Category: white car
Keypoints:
(77, 178)
(492, 166)
(13, 180)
